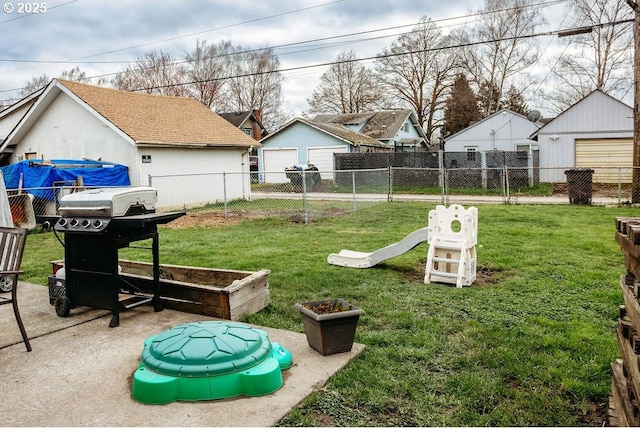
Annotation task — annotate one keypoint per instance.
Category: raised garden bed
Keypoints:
(226, 294)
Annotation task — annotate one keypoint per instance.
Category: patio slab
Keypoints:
(80, 370)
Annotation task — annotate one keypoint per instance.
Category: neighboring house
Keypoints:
(596, 132)
(504, 130)
(176, 142)
(249, 122)
(10, 116)
(397, 128)
(302, 141)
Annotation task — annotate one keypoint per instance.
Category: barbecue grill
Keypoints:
(96, 224)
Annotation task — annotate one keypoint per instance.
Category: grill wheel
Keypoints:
(63, 306)
(6, 284)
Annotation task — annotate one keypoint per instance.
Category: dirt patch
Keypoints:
(209, 218)
(216, 218)
(488, 276)
(484, 275)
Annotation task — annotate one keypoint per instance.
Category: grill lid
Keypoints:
(109, 202)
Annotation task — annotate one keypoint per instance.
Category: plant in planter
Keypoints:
(330, 324)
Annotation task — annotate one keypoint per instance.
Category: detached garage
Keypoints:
(596, 133)
(302, 142)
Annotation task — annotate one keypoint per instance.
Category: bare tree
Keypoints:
(598, 59)
(500, 47)
(416, 69)
(256, 84)
(154, 72)
(346, 87)
(34, 84)
(38, 82)
(208, 67)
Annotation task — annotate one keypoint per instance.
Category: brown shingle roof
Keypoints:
(381, 125)
(159, 119)
(355, 138)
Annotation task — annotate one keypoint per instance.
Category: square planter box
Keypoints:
(330, 333)
(226, 294)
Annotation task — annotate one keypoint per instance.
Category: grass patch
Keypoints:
(529, 344)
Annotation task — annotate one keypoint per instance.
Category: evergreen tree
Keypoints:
(515, 101)
(488, 99)
(461, 108)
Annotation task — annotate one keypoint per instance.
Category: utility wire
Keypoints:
(337, 37)
(380, 56)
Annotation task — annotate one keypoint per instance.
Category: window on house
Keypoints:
(248, 131)
(523, 150)
(471, 153)
(405, 127)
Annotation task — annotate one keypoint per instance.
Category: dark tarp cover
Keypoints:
(38, 177)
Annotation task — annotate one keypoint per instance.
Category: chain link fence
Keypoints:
(304, 196)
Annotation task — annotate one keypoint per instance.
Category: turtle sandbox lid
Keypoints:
(209, 360)
(226, 294)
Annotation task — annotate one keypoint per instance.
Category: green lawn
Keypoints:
(529, 344)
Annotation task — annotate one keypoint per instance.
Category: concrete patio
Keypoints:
(80, 370)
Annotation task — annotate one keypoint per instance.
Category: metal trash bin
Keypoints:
(312, 177)
(580, 185)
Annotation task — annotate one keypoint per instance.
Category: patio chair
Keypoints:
(12, 241)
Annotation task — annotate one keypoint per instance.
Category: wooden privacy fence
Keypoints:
(625, 372)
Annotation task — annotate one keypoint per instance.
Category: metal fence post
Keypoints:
(483, 159)
(505, 183)
(304, 198)
(619, 186)
(444, 179)
(353, 189)
(224, 189)
(390, 184)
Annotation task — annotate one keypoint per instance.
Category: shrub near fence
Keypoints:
(350, 190)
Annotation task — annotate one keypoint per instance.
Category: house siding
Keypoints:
(183, 175)
(301, 137)
(8, 122)
(68, 131)
(503, 131)
(596, 117)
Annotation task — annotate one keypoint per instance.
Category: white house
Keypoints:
(175, 144)
(397, 128)
(596, 132)
(301, 141)
(10, 116)
(504, 130)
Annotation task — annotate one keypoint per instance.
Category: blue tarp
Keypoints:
(38, 175)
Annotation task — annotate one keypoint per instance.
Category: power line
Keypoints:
(305, 67)
(540, 5)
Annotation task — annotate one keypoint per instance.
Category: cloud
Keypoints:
(100, 36)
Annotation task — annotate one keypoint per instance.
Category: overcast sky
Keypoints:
(102, 36)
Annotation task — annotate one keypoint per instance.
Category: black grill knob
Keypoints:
(97, 224)
(62, 222)
(85, 223)
(74, 223)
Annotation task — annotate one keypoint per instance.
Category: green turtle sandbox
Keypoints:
(209, 360)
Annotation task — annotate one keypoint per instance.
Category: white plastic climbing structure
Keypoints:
(453, 235)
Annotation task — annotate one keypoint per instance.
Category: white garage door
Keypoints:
(605, 157)
(275, 161)
(322, 158)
